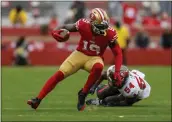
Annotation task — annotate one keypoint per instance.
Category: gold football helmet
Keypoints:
(99, 21)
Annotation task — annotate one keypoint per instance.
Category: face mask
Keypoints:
(100, 28)
(98, 31)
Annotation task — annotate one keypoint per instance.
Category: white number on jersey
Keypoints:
(141, 83)
(92, 47)
(134, 85)
(127, 89)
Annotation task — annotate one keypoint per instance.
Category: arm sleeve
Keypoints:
(118, 56)
(113, 44)
(80, 24)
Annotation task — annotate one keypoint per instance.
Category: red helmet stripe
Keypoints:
(100, 12)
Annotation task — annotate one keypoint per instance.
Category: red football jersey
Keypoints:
(90, 44)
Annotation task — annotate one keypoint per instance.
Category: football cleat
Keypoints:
(34, 103)
(81, 100)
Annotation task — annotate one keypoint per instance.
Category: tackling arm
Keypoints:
(117, 53)
(118, 60)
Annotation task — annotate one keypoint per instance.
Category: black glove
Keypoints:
(92, 89)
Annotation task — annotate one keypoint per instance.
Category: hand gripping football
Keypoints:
(65, 34)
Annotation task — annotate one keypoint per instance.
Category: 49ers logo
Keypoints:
(92, 16)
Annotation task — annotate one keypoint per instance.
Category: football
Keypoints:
(65, 34)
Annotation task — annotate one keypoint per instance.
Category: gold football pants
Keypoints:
(78, 60)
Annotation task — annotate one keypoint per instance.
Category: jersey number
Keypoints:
(141, 83)
(130, 87)
(92, 47)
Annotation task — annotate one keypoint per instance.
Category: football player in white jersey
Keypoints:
(133, 89)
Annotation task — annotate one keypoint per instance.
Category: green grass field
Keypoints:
(20, 84)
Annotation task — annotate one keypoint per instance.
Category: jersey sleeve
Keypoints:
(112, 35)
(146, 92)
(140, 74)
(80, 24)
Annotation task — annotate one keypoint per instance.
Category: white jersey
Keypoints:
(136, 85)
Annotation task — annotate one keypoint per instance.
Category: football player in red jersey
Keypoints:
(96, 36)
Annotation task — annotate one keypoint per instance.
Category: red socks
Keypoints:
(50, 84)
(59, 76)
(93, 77)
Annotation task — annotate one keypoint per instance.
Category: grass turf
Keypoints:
(20, 84)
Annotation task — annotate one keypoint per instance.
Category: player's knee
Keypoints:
(98, 67)
(66, 69)
(59, 75)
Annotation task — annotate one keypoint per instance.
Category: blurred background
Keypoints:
(144, 31)
(144, 34)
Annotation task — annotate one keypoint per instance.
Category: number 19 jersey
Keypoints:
(93, 45)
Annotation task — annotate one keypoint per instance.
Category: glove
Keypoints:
(92, 89)
(56, 35)
(117, 78)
